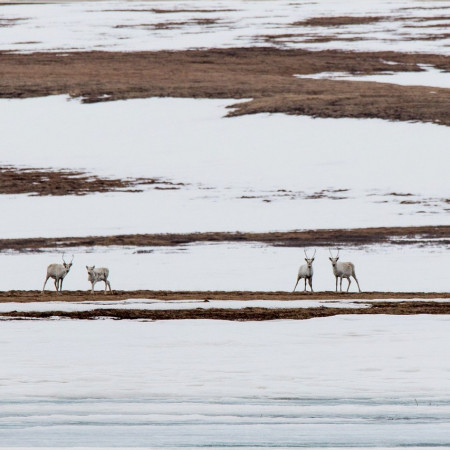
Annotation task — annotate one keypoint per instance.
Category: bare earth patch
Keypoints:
(171, 11)
(337, 21)
(425, 305)
(79, 296)
(265, 75)
(42, 182)
(172, 25)
(425, 235)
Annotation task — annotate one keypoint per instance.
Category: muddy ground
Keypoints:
(264, 75)
(423, 235)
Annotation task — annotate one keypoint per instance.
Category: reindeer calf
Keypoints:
(100, 274)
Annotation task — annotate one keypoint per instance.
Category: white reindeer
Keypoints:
(306, 271)
(100, 274)
(343, 270)
(58, 272)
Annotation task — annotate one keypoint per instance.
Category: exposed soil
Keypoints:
(79, 296)
(265, 75)
(425, 235)
(244, 314)
(171, 25)
(429, 19)
(42, 182)
(434, 37)
(171, 11)
(9, 22)
(423, 8)
(336, 21)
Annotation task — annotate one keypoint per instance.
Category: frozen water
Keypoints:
(342, 381)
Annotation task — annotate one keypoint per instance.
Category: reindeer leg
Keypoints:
(92, 289)
(349, 282)
(356, 279)
(296, 284)
(336, 283)
(56, 283)
(340, 286)
(60, 284)
(106, 284)
(45, 282)
(304, 290)
(109, 285)
(310, 283)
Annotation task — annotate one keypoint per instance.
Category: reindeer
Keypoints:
(100, 274)
(343, 270)
(306, 271)
(58, 272)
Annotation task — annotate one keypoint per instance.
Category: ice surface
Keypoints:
(254, 173)
(230, 267)
(137, 25)
(428, 77)
(342, 381)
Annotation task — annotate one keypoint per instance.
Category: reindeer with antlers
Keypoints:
(58, 272)
(306, 271)
(343, 270)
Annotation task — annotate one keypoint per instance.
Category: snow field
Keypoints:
(137, 25)
(428, 77)
(229, 267)
(290, 170)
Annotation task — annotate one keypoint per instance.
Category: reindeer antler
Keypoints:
(306, 254)
(314, 253)
(71, 261)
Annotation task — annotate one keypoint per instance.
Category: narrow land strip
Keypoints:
(423, 235)
(79, 296)
(244, 314)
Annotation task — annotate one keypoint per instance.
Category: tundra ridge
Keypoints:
(85, 295)
(423, 235)
(263, 74)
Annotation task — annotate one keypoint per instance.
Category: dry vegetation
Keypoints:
(266, 75)
(336, 21)
(172, 25)
(80, 296)
(41, 182)
(425, 235)
(244, 314)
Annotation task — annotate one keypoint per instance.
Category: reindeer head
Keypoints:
(308, 260)
(67, 266)
(90, 270)
(333, 259)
